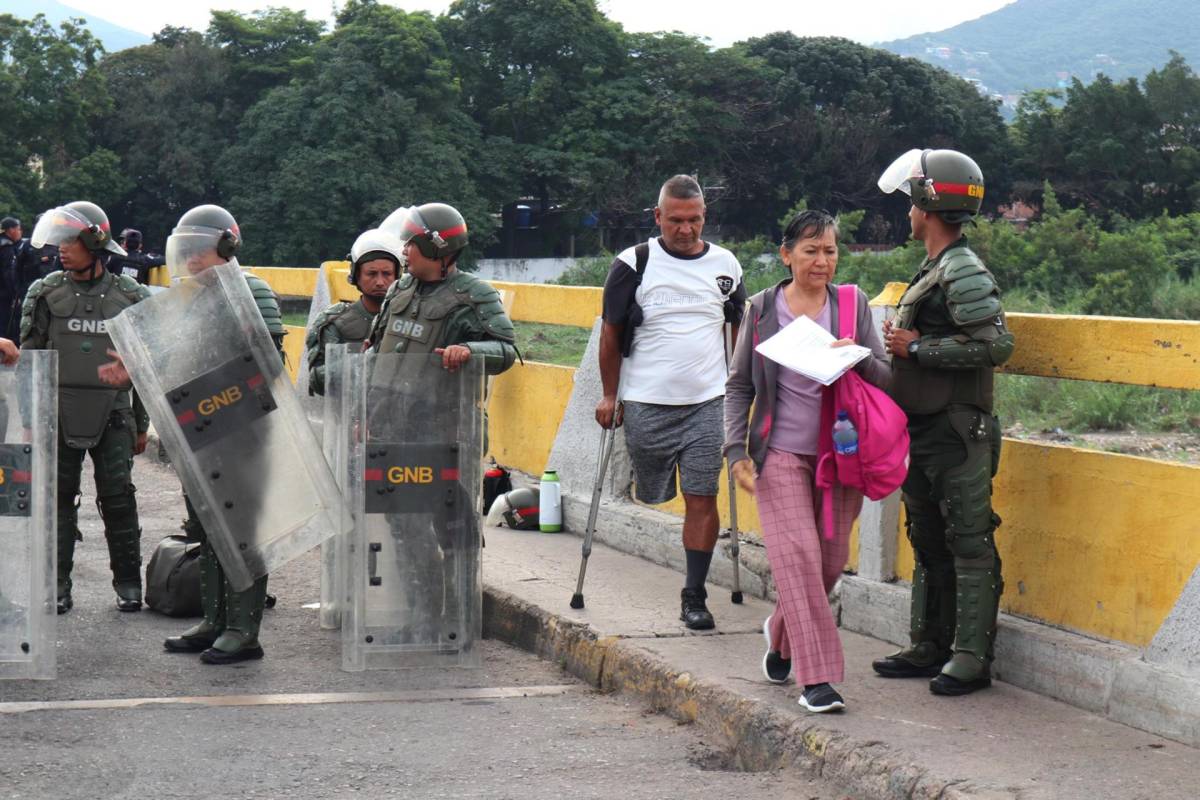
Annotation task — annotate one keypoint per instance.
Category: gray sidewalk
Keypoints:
(895, 739)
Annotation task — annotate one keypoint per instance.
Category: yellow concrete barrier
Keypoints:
(524, 410)
(1097, 542)
(1146, 352)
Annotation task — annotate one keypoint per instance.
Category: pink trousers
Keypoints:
(804, 563)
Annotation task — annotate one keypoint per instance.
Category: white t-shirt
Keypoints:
(678, 355)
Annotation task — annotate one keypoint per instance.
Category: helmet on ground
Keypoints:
(438, 230)
(947, 182)
(204, 237)
(79, 220)
(518, 509)
(375, 244)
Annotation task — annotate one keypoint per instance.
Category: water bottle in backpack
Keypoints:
(845, 436)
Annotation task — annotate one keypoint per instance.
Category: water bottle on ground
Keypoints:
(845, 436)
(550, 511)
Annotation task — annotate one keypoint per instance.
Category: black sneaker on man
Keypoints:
(820, 698)
(776, 668)
(694, 612)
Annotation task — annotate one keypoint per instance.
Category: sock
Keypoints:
(697, 568)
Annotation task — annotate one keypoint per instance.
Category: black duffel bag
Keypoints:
(173, 577)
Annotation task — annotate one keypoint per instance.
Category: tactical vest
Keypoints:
(416, 322)
(352, 323)
(922, 390)
(79, 333)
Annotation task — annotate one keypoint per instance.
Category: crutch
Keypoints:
(735, 544)
(607, 437)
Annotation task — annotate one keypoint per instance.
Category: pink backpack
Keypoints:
(881, 463)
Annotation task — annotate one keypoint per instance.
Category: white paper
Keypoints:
(803, 346)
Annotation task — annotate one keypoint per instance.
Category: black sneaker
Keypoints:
(820, 698)
(694, 613)
(776, 668)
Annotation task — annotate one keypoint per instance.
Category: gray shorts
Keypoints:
(663, 438)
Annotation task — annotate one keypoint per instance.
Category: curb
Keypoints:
(759, 737)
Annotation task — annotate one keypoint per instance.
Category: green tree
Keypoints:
(377, 125)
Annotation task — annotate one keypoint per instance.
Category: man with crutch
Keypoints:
(666, 304)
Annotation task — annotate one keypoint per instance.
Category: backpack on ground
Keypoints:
(880, 464)
(173, 577)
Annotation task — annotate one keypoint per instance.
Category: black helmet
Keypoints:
(438, 230)
(8, 223)
(80, 220)
(943, 181)
(200, 233)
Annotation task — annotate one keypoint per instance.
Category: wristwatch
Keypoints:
(912, 349)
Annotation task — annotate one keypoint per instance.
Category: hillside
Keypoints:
(114, 37)
(1038, 44)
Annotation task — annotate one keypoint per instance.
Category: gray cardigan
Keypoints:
(752, 378)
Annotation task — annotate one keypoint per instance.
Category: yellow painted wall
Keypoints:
(1148, 352)
(524, 410)
(1097, 542)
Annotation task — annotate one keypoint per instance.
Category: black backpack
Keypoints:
(173, 577)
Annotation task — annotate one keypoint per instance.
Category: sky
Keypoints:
(865, 21)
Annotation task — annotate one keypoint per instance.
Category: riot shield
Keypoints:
(28, 515)
(413, 437)
(333, 550)
(227, 414)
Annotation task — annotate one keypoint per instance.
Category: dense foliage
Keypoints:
(309, 136)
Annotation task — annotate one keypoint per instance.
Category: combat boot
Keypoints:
(921, 660)
(979, 590)
(67, 535)
(243, 617)
(124, 537)
(201, 636)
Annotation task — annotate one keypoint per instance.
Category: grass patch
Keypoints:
(297, 318)
(552, 344)
(1049, 403)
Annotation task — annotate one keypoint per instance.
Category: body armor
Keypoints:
(341, 323)
(955, 304)
(78, 332)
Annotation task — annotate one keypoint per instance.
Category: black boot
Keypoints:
(243, 617)
(200, 637)
(694, 612)
(124, 537)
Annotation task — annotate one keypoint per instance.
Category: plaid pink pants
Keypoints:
(804, 563)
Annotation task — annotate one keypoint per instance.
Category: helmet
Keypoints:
(203, 237)
(373, 244)
(8, 223)
(944, 181)
(518, 509)
(396, 223)
(80, 220)
(438, 230)
(131, 238)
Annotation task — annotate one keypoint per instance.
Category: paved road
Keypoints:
(517, 728)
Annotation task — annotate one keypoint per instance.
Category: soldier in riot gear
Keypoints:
(375, 262)
(67, 311)
(205, 237)
(437, 309)
(948, 337)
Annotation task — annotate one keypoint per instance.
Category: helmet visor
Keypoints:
(396, 224)
(191, 250)
(898, 174)
(61, 226)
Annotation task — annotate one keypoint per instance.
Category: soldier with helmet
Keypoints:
(205, 237)
(375, 262)
(948, 337)
(435, 307)
(67, 311)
